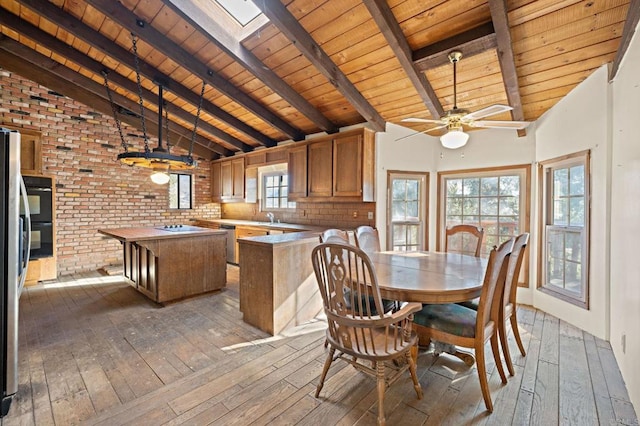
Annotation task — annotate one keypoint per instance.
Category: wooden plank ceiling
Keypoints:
(315, 65)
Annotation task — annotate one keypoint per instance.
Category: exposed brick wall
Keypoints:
(79, 149)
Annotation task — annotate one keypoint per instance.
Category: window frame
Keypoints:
(178, 186)
(545, 168)
(263, 175)
(424, 206)
(524, 170)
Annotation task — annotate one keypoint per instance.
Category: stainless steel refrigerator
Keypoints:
(15, 231)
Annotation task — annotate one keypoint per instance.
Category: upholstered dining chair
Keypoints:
(361, 336)
(508, 303)
(457, 325)
(464, 239)
(367, 239)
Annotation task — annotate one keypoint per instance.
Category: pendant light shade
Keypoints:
(454, 138)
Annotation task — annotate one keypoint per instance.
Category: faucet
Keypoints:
(271, 217)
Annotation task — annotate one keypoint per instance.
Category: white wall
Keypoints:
(625, 219)
(581, 121)
(486, 148)
(415, 153)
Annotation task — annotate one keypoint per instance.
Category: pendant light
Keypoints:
(158, 159)
(455, 136)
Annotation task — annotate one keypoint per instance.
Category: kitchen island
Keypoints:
(171, 263)
(278, 288)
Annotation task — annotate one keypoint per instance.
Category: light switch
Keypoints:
(370, 215)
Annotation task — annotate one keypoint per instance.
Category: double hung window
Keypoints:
(565, 215)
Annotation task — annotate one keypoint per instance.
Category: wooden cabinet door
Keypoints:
(320, 169)
(297, 172)
(251, 185)
(30, 152)
(237, 187)
(226, 175)
(216, 182)
(347, 166)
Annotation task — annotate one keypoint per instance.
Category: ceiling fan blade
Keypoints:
(418, 133)
(494, 124)
(420, 120)
(486, 112)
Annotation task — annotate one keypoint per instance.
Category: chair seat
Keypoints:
(471, 304)
(450, 318)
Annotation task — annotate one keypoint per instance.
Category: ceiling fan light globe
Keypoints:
(454, 139)
(160, 178)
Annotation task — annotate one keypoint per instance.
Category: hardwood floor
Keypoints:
(95, 351)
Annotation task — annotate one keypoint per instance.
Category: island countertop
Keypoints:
(157, 233)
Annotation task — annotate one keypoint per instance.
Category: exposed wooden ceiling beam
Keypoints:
(630, 24)
(389, 27)
(127, 19)
(108, 47)
(218, 35)
(280, 16)
(55, 76)
(472, 42)
(507, 61)
(64, 50)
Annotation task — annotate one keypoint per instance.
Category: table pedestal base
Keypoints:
(439, 347)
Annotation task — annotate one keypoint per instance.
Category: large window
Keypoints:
(407, 211)
(495, 199)
(565, 217)
(275, 191)
(180, 193)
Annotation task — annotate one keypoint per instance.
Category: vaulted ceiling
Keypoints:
(313, 65)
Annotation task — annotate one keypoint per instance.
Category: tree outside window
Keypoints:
(180, 191)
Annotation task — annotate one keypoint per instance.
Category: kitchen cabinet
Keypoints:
(30, 152)
(216, 182)
(335, 168)
(247, 231)
(320, 169)
(297, 170)
(227, 180)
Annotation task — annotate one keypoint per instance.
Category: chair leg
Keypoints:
(516, 333)
(325, 370)
(414, 375)
(496, 356)
(382, 385)
(502, 330)
(482, 375)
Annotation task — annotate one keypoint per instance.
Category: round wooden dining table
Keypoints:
(428, 277)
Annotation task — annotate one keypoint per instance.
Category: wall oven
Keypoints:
(40, 196)
(41, 239)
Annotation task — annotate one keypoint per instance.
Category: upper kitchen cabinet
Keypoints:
(320, 169)
(227, 180)
(297, 170)
(30, 151)
(339, 167)
(216, 182)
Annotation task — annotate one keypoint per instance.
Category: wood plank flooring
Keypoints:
(94, 351)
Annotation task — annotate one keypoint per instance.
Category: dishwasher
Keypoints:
(231, 242)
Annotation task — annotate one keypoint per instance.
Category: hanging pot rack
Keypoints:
(159, 158)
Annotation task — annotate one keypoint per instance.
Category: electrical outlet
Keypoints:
(355, 214)
(370, 215)
(624, 343)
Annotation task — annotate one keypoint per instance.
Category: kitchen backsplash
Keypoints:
(339, 215)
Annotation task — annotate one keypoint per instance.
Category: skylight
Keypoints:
(243, 11)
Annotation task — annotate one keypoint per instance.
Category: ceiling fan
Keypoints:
(455, 118)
